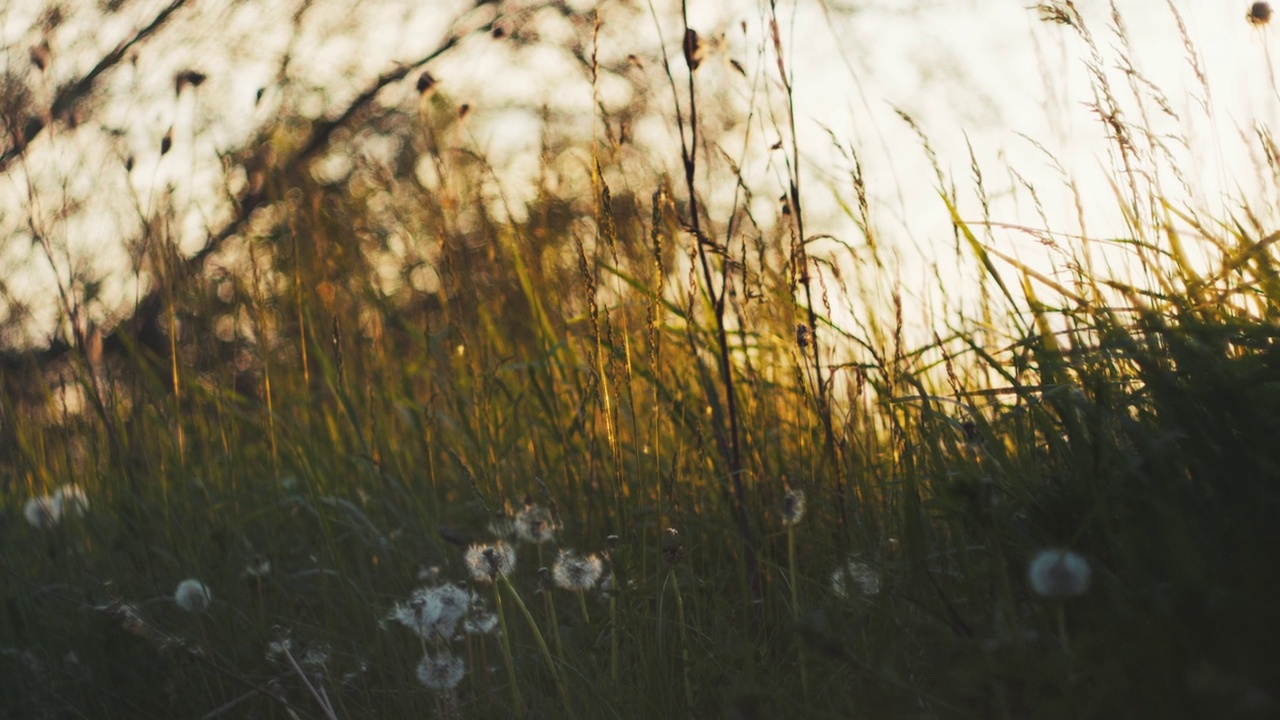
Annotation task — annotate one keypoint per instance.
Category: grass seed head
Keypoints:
(1057, 573)
(192, 596)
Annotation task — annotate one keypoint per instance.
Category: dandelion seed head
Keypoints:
(535, 524)
(440, 671)
(277, 648)
(483, 623)
(192, 596)
(433, 612)
(315, 657)
(575, 572)
(71, 498)
(855, 578)
(486, 562)
(259, 566)
(43, 511)
(792, 507)
(1057, 573)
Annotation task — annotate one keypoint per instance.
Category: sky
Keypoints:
(990, 75)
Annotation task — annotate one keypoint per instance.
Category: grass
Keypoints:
(656, 391)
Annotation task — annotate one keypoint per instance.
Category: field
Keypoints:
(619, 459)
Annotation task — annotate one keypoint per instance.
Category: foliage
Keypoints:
(792, 514)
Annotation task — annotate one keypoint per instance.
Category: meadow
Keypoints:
(627, 458)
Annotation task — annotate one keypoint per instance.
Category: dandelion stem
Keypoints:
(554, 620)
(613, 639)
(795, 609)
(542, 643)
(582, 602)
(516, 700)
(684, 641)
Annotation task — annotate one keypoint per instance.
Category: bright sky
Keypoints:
(982, 72)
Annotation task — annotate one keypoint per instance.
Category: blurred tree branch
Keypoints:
(141, 327)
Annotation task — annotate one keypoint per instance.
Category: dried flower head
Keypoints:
(192, 596)
(792, 507)
(575, 572)
(440, 671)
(535, 524)
(486, 562)
(1259, 14)
(855, 578)
(43, 511)
(433, 613)
(1057, 573)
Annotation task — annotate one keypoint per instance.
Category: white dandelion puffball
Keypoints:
(535, 524)
(575, 572)
(43, 511)
(433, 612)
(855, 578)
(192, 596)
(487, 562)
(1057, 573)
(72, 500)
(440, 671)
(792, 507)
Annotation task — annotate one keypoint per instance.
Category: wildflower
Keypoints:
(534, 524)
(1057, 573)
(433, 612)
(72, 499)
(1259, 14)
(575, 572)
(441, 671)
(43, 511)
(192, 596)
(792, 507)
(486, 562)
(855, 577)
